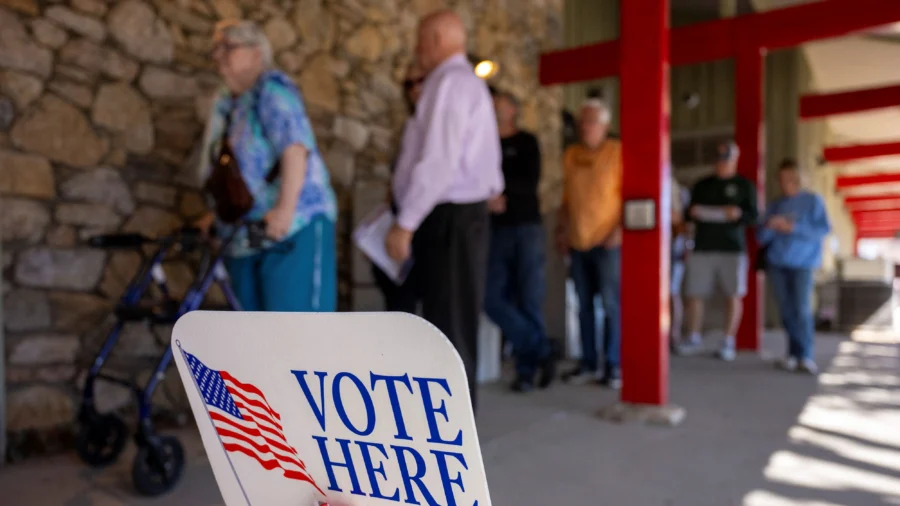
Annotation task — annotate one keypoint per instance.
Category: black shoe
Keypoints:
(611, 379)
(547, 371)
(521, 385)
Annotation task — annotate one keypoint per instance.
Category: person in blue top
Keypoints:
(262, 114)
(792, 233)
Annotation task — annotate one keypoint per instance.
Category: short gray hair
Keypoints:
(595, 104)
(247, 33)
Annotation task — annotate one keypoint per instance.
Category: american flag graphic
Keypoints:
(246, 423)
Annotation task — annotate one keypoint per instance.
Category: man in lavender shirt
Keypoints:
(448, 169)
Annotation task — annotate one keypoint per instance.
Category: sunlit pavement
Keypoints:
(754, 436)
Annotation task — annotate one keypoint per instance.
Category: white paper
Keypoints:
(369, 237)
(710, 214)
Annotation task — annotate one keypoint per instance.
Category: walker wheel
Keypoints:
(158, 466)
(101, 440)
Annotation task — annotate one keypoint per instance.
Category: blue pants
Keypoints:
(302, 278)
(514, 295)
(597, 272)
(793, 291)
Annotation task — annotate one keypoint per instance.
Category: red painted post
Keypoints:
(750, 136)
(645, 154)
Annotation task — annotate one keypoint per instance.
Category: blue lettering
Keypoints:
(408, 479)
(431, 410)
(330, 465)
(372, 471)
(445, 474)
(318, 411)
(366, 398)
(390, 382)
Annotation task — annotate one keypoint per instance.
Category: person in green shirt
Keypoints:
(722, 206)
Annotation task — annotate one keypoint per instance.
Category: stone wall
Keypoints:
(102, 103)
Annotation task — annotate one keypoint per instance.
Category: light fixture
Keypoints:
(486, 69)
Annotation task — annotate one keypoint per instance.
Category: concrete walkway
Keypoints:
(754, 436)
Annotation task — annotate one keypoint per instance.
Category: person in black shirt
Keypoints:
(722, 207)
(516, 277)
(401, 298)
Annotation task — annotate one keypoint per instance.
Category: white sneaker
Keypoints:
(690, 346)
(726, 353)
(789, 364)
(809, 366)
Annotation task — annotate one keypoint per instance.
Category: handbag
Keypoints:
(231, 196)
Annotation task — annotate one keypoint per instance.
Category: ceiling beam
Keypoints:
(842, 182)
(875, 205)
(717, 40)
(852, 200)
(876, 234)
(831, 104)
(891, 215)
(837, 154)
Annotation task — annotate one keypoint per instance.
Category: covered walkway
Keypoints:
(753, 437)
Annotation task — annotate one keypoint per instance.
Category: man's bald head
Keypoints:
(441, 35)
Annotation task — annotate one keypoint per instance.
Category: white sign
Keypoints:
(343, 408)
(370, 237)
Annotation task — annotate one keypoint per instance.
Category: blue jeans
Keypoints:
(793, 291)
(302, 278)
(514, 295)
(597, 271)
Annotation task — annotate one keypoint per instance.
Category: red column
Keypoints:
(750, 136)
(645, 135)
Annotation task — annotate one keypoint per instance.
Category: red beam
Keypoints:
(876, 214)
(853, 200)
(860, 151)
(750, 136)
(792, 26)
(883, 234)
(715, 40)
(645, 298)
(875, 207)
(830, 104)
(866, 180)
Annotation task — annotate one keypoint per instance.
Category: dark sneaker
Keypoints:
(579, 376)
(612, 379)
(547, 371)
(521, 385)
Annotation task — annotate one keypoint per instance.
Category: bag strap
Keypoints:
(275, 171)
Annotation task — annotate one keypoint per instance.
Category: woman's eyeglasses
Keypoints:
(224, 48)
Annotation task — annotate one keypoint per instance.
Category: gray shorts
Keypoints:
(707, 269)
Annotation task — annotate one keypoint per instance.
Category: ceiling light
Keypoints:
(486, 69)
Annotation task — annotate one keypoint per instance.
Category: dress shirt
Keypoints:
(451, 148)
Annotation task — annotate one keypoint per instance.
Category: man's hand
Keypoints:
(398, 243)
(733, 212)
(278, 222)
(780, 224)
(497, 204)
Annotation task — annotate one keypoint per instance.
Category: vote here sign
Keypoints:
(295, 409)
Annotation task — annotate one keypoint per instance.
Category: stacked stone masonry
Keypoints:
(102, 104)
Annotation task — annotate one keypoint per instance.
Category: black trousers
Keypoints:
(397, 298)
(450, 251)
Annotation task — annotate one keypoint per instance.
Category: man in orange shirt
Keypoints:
(590, 231)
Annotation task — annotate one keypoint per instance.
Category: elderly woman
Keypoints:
(260, 117)
(402, 297)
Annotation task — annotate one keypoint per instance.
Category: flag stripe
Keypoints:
(247, 388)
(253, 432)
(268, 465)
(260, 448)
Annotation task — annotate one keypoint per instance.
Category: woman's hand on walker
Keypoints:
(278, 222)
